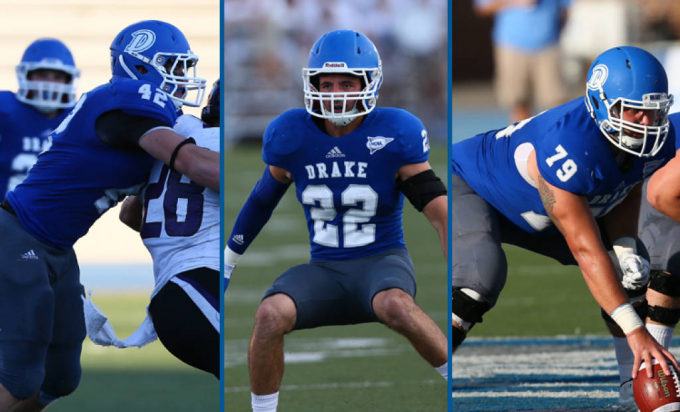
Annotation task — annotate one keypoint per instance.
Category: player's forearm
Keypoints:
(256, 212)
(669, 207)
(661, 197)
(663, 190)
(600, 276)
(436, 213)
(200, 165)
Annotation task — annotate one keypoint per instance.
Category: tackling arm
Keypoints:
(663, 189)
(427, 194)
(198, 164)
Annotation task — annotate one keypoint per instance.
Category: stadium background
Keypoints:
(544, 347)
(353, 368)
(114, 263)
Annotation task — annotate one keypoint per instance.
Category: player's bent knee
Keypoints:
(665, 283)
(467, 309)
(276, 313)
(660, 310)
(393, 306)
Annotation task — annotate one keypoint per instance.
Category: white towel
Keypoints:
(100, 331)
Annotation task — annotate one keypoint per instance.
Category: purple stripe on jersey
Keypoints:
(215, 303)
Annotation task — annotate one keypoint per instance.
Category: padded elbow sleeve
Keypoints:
(422, 188)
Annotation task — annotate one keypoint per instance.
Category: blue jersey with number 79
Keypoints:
(79, 177)
(572, 154)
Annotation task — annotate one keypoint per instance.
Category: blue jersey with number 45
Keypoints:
(24, 134)
(571, 154)
(80, 177)
(347, 185)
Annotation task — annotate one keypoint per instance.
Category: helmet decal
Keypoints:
(141, 40)
(599, 77)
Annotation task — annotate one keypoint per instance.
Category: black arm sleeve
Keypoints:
(422, 188)
(122, 131)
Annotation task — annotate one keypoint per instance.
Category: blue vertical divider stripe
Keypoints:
(449, 140)
(222, 170)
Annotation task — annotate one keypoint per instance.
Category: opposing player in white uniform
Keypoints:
(181, 228)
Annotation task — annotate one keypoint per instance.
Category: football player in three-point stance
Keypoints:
(352, 164)
(180, 225)
(567, 184)
(47, 79)
(102, 151)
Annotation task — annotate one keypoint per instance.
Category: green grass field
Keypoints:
(146, 379)
(542, 298)
(350, 368)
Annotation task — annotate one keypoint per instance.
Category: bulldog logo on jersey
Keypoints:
(599, 77)
(141, 40)
(378, 142)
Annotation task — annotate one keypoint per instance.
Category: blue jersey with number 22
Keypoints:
(79, 177)
(347, 185)
(571, 154)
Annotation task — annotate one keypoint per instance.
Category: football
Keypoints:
(658, 394)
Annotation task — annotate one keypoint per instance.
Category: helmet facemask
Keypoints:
(631, 137)
(364, 100)
(47, 96)
(173, 69)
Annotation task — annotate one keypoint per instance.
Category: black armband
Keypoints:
(122, 131)
(422, 188)
(176, 151)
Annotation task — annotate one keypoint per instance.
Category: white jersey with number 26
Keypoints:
(181, 225)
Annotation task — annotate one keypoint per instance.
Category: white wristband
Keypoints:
(231, 257)
(626, 317)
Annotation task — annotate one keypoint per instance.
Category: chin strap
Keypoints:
(345, 120)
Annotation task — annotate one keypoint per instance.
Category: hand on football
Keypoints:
(635, 270)
(645, 348)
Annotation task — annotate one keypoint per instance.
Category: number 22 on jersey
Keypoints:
(327, 234)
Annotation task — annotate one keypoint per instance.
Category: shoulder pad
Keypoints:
(284, 135)
(411, 142)
(139, 98)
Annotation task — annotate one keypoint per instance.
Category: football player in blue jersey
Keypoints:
(48, 78)
(102, 151)
(567, 184)
(352, 164)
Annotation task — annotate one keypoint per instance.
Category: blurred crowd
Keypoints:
(267, 43)
(578, 30)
